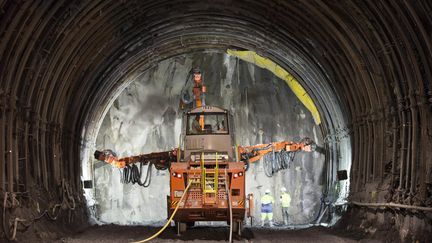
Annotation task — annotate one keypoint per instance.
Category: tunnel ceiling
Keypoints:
(62, 61)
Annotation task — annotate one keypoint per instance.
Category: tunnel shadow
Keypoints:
(206, 233)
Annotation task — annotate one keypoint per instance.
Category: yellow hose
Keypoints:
(169, 220)
(293, 84)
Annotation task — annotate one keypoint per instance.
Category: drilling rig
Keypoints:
(207, 170)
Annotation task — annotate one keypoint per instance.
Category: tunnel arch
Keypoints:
(56, 58)
(332, 110)
(329, 185)
(334, 127)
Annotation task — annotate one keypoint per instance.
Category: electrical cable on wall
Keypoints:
(67, 202)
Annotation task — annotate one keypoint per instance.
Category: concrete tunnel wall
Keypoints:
(145, 118)
(366, 65)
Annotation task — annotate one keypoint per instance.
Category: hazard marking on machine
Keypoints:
(174, 203)
(241, 203)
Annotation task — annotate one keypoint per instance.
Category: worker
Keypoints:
(285, 200)
(196, 126)
(221, 126)
(267, 202)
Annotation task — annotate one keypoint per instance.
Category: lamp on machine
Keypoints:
(178, 175)
(238, 174)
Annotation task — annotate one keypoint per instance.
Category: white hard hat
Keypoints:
(267, 191)
(283, 189)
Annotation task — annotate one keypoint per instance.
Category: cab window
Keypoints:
(213, 123)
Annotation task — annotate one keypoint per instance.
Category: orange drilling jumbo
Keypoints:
(207, 167)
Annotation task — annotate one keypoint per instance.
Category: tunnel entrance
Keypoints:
(365, 64)
(145, 117)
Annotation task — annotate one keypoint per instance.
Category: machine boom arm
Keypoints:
(159, 159)
(162, 159)
(256, 152)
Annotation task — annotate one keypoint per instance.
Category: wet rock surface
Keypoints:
(145, 118)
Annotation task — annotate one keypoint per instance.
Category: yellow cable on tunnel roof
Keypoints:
(299, 91)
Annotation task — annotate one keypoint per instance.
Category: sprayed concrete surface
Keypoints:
(145, 118)
(110, 233)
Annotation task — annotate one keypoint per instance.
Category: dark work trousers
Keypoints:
(285, 215)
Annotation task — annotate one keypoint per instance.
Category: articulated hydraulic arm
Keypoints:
(256, 152)
(161, 160)
(248, 154)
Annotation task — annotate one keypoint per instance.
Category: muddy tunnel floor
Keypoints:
(113, 233)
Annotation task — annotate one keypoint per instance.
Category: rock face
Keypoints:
(145, 118)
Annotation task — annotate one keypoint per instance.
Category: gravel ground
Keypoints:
(113, 233)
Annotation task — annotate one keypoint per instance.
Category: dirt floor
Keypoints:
(112, 233)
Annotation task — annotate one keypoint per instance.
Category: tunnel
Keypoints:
(355, 76)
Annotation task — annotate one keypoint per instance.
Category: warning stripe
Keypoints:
(174, 203)
(241, 203)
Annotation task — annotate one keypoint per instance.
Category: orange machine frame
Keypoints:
(200, 207)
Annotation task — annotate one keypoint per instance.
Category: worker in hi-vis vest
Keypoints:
(285, 200)
(267, 202)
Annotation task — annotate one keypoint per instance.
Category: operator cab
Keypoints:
(207, 123)
(207, 131)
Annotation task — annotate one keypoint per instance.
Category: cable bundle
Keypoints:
(276, 161)
(132, 174)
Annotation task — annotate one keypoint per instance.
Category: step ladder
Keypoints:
(209, 182)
